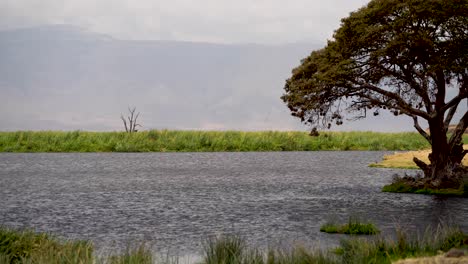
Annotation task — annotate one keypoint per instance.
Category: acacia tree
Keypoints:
(409, 57)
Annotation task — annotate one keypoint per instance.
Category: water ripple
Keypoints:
(175, 200)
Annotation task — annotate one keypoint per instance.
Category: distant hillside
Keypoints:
(65, 78)
(61, 77)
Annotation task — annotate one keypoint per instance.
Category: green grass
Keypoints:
(354, 227)
(402, 185)
(29, 247)
(139, 254)
(381, 250)
(204, 141)
(234, 250)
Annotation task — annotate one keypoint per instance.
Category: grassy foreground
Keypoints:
(28, 247)
(204, 141)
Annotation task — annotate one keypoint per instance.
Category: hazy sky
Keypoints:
(105, 78)
(219, 21)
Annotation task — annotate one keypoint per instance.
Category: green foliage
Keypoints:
(390, 55)
(399, 56)
(354, 227)
(204, 141)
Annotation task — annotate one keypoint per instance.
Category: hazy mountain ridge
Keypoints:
(65, 78)
(174, 84)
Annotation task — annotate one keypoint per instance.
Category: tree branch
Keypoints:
(441, 89)
(400, 102)
(135, 122)
(421, 131)
(406, 76)
(455, 101)
(132, 120)
(132, 111)
(449, 116)
(125, 123)
(421, 164)
(421, 91)
(459, 130)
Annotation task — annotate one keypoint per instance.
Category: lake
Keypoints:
(174, 201)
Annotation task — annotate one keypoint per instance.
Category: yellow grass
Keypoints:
(404, 160)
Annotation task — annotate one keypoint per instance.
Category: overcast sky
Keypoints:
(31, 72)
(218, 21)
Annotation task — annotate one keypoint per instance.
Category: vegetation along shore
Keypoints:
(17, 246)
(205, 141)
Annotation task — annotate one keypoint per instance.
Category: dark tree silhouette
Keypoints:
(132, 121)
(400, 56)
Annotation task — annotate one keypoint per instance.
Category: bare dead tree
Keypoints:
(132, 121)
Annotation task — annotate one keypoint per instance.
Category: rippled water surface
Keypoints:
(176, 200)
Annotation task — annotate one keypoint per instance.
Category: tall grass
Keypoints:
(139, 254)
(433, 242)
(234, 250)
(205, 141)
(28, 247)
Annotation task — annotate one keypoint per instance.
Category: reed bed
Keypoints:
(204, 141)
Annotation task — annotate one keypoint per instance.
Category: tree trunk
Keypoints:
(445, 169)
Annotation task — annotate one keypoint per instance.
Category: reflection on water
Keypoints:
(175, 200)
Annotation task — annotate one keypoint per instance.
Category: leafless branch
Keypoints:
(132, 121)
(125, 123)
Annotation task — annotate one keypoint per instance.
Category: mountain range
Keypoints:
(66, 78)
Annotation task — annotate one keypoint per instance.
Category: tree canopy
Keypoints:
(401, 56)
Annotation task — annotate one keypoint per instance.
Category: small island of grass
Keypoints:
(408, 184)
(353, 227)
